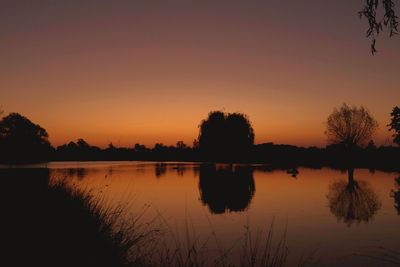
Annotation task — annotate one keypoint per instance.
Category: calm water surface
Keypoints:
(327, 214)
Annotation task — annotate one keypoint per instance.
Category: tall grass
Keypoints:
(259, 249)
(382, 254)
(113, 242)
(155, 244)
(54, 224)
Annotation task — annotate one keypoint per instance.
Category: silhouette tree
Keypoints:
(196, 144)
(82, 144)
(212, 133)
(395, 124)
(240, 133)
(371, 145)
(395, 194)
(81, 150)
(352, 201)
(23, 141)
(371, 11)
(140, 148)
(226, 189)
(181, 145)
(226, 137)
(350, 126)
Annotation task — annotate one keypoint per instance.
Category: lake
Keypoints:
(328, 216)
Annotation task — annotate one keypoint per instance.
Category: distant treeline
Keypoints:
(336, 156)
(383, 157)
(223, 137)
(81, 150)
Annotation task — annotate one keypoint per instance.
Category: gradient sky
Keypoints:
(149, 71)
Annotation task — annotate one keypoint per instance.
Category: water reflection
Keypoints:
(226, 188)
(180, 169)
(222, 189)
(78, 173)
(81, 173)
(160, 169)
(396, 195)
(293, 172)
(352, 201)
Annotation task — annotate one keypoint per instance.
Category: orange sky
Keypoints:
(148, 71)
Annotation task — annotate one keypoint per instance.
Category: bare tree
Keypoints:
(350, 126)
(389, 20)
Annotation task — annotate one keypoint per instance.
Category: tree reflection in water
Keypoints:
(227, 189)
(395, 194)
(352, 201)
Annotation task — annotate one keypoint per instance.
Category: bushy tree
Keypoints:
(226, 136)
(22, 140)
(395, 124)
(181, 145)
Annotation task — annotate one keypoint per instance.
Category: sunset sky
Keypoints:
(149, 71)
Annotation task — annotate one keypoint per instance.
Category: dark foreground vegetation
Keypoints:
(223, 137)
(46, 222)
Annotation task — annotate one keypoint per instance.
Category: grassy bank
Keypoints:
(52, 224)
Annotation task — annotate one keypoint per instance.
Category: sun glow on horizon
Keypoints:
(135, 72)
